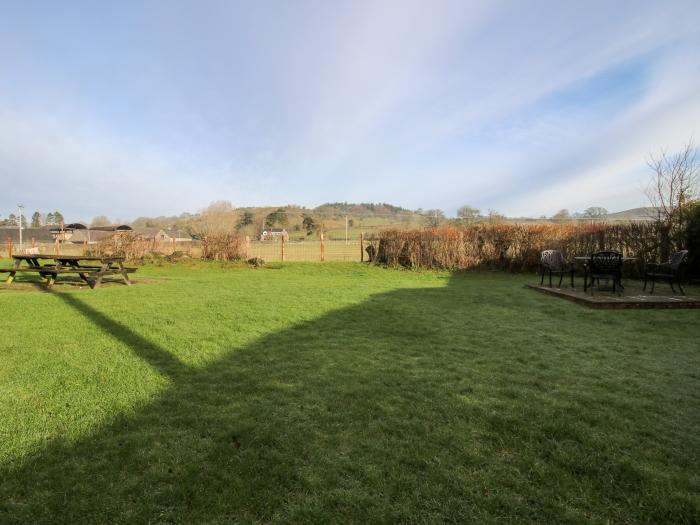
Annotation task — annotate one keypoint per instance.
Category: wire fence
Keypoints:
(192, 248)
(308, 251)
(270, 251)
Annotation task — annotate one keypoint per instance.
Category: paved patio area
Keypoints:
(632, 297)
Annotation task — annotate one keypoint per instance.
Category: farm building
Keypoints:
(163, 234)
(272, 234)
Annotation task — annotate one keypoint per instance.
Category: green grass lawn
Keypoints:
(343, 393)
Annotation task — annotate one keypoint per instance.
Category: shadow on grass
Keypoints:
(413, 406)
(157, 357)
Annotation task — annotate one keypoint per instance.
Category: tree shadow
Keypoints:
(405, 408)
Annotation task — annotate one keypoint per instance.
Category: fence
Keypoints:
(66, 248)
(309, 251)
(271, 251)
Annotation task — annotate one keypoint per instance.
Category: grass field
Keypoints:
(342, 393)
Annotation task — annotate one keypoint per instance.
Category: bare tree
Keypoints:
(100, 220)
(496, 217)
(433, 218)
(674, 185)
(595, 213)
(674, 181)
(219, 216)
(468, 213)
(562, 215)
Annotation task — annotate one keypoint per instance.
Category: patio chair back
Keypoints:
(678, 259)
(606, 262)
(552, 260)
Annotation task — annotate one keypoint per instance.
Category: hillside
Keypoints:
(635, 214)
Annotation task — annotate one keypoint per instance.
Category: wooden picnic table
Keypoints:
(92, 274)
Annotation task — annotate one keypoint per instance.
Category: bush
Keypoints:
(128, 245)
(223, 246)
(515, 247)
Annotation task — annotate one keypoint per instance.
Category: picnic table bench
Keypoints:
(92, 274)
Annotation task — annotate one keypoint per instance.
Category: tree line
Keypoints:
(37, 220)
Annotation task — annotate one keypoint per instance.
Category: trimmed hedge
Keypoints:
(514, 247)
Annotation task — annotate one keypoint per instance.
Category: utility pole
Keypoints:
(19, 207)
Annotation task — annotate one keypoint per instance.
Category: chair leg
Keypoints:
(550, 278)
(561, 278)
(542, 280)
(679, 286)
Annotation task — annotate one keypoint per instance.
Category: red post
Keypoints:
(9, 247)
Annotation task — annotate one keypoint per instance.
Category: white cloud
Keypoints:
(429, 104)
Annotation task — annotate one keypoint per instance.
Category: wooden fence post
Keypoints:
(85, 247)
(33, 242)
(323, 249)
(9, 247)
(362, 252)
(247, 247)
(58, 250)
(173, 244)
(282, 237)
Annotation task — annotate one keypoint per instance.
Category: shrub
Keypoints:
(223, 246)
(128, 245)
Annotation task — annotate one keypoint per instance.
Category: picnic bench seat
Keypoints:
(70, 264)
(53, 269)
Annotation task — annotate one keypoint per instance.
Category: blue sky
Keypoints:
(158, 107)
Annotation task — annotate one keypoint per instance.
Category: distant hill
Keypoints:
(635, 214)
(363, 209)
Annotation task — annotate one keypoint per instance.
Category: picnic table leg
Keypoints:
(52, 276)
(100, 274)
(124, 273)
(11, 276)
(76, 264)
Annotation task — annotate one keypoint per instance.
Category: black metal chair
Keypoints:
(670, 271)
(553, 262)
(605, 265)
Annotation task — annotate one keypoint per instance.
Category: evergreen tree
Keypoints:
(57, 217)
(50, 218)
(36, 220)
(246, 219)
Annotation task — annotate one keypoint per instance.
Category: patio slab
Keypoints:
(632, 298)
